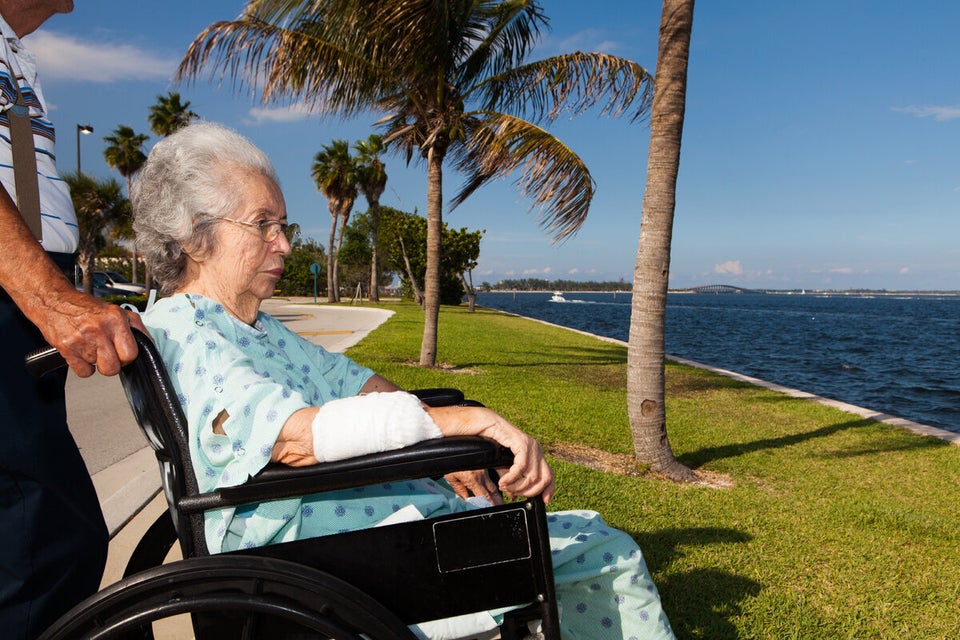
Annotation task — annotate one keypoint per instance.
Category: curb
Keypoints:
(126, 487)
(870, 414)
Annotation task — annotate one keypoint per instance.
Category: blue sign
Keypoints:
(314, 269)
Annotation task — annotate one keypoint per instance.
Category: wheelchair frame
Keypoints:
(370, 583)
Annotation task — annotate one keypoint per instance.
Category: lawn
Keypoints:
(829, 526)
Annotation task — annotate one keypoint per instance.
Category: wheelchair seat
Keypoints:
(371, 583)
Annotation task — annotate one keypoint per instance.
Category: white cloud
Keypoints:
(939, 113)
(904, 271)
(730, 267)
(291, 113)
(534, 272)
(65, 58)
(842, 270)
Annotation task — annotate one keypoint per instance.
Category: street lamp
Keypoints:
(85, 129)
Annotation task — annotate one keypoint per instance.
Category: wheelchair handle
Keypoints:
(44, 360)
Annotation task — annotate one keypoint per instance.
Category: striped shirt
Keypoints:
(17, 65)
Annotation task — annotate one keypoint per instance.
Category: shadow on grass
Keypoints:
(553, 358)
(680, 383)
(700, 603)
(710, 454)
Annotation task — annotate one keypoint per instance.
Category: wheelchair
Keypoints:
(368, 584)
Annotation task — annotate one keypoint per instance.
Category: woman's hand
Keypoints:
(529, 475)
(294, 445)
(478, 484)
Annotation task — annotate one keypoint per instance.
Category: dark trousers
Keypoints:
(53, 540)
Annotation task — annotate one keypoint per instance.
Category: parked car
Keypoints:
(101, 292)
(101, 288)
(114, 280)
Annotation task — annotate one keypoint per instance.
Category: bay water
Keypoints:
(897, 354)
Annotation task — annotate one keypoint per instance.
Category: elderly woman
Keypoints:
(211, 221)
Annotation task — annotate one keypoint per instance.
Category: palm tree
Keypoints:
(124, 152)
(372, 180)
(169, 114)
(100, 206)
(335, 174)
(645, 353)
(451, 77)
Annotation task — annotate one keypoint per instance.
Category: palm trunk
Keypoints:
(86, 258)
(332, 293)
(345, 207)
(471, 292)
(645, 353)
(431, 284)
(133, 266)
(374, 258)
(417, 294)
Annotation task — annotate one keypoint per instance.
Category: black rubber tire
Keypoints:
(246, 589)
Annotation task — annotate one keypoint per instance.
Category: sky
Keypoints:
(821, 145)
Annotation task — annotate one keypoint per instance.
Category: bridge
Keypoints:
(715, 288)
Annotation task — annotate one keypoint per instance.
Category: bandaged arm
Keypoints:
(370, 423)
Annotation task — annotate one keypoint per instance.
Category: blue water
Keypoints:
(894, 354)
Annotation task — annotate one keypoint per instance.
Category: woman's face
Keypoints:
(244, 269)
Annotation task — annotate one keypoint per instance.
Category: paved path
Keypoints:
(123, 466)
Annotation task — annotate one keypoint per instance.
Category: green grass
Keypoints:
(836, 526)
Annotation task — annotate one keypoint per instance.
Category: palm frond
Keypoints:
(550, 172)
(573, 82)
(510, 30)
(281, 63)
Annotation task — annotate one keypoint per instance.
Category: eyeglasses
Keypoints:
(270, 229)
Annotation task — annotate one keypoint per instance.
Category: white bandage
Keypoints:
(370, 423)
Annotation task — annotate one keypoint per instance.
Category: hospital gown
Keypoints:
(259, 375)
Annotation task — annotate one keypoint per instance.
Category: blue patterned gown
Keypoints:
(261, 374)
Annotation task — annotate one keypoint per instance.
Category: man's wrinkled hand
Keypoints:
(92, 335)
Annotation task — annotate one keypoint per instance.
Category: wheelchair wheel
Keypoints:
(232, 597)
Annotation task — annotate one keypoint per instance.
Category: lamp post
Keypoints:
(85, 129)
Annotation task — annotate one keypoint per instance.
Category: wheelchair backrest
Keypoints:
(157, 410)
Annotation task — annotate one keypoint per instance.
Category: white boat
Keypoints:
(558, 297)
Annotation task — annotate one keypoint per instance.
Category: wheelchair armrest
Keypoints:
(439, 397)
(430, 458)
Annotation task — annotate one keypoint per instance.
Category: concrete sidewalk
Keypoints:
(129, 489)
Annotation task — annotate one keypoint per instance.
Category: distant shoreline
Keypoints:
(799, 292)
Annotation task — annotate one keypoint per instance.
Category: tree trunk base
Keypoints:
(675, 471)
